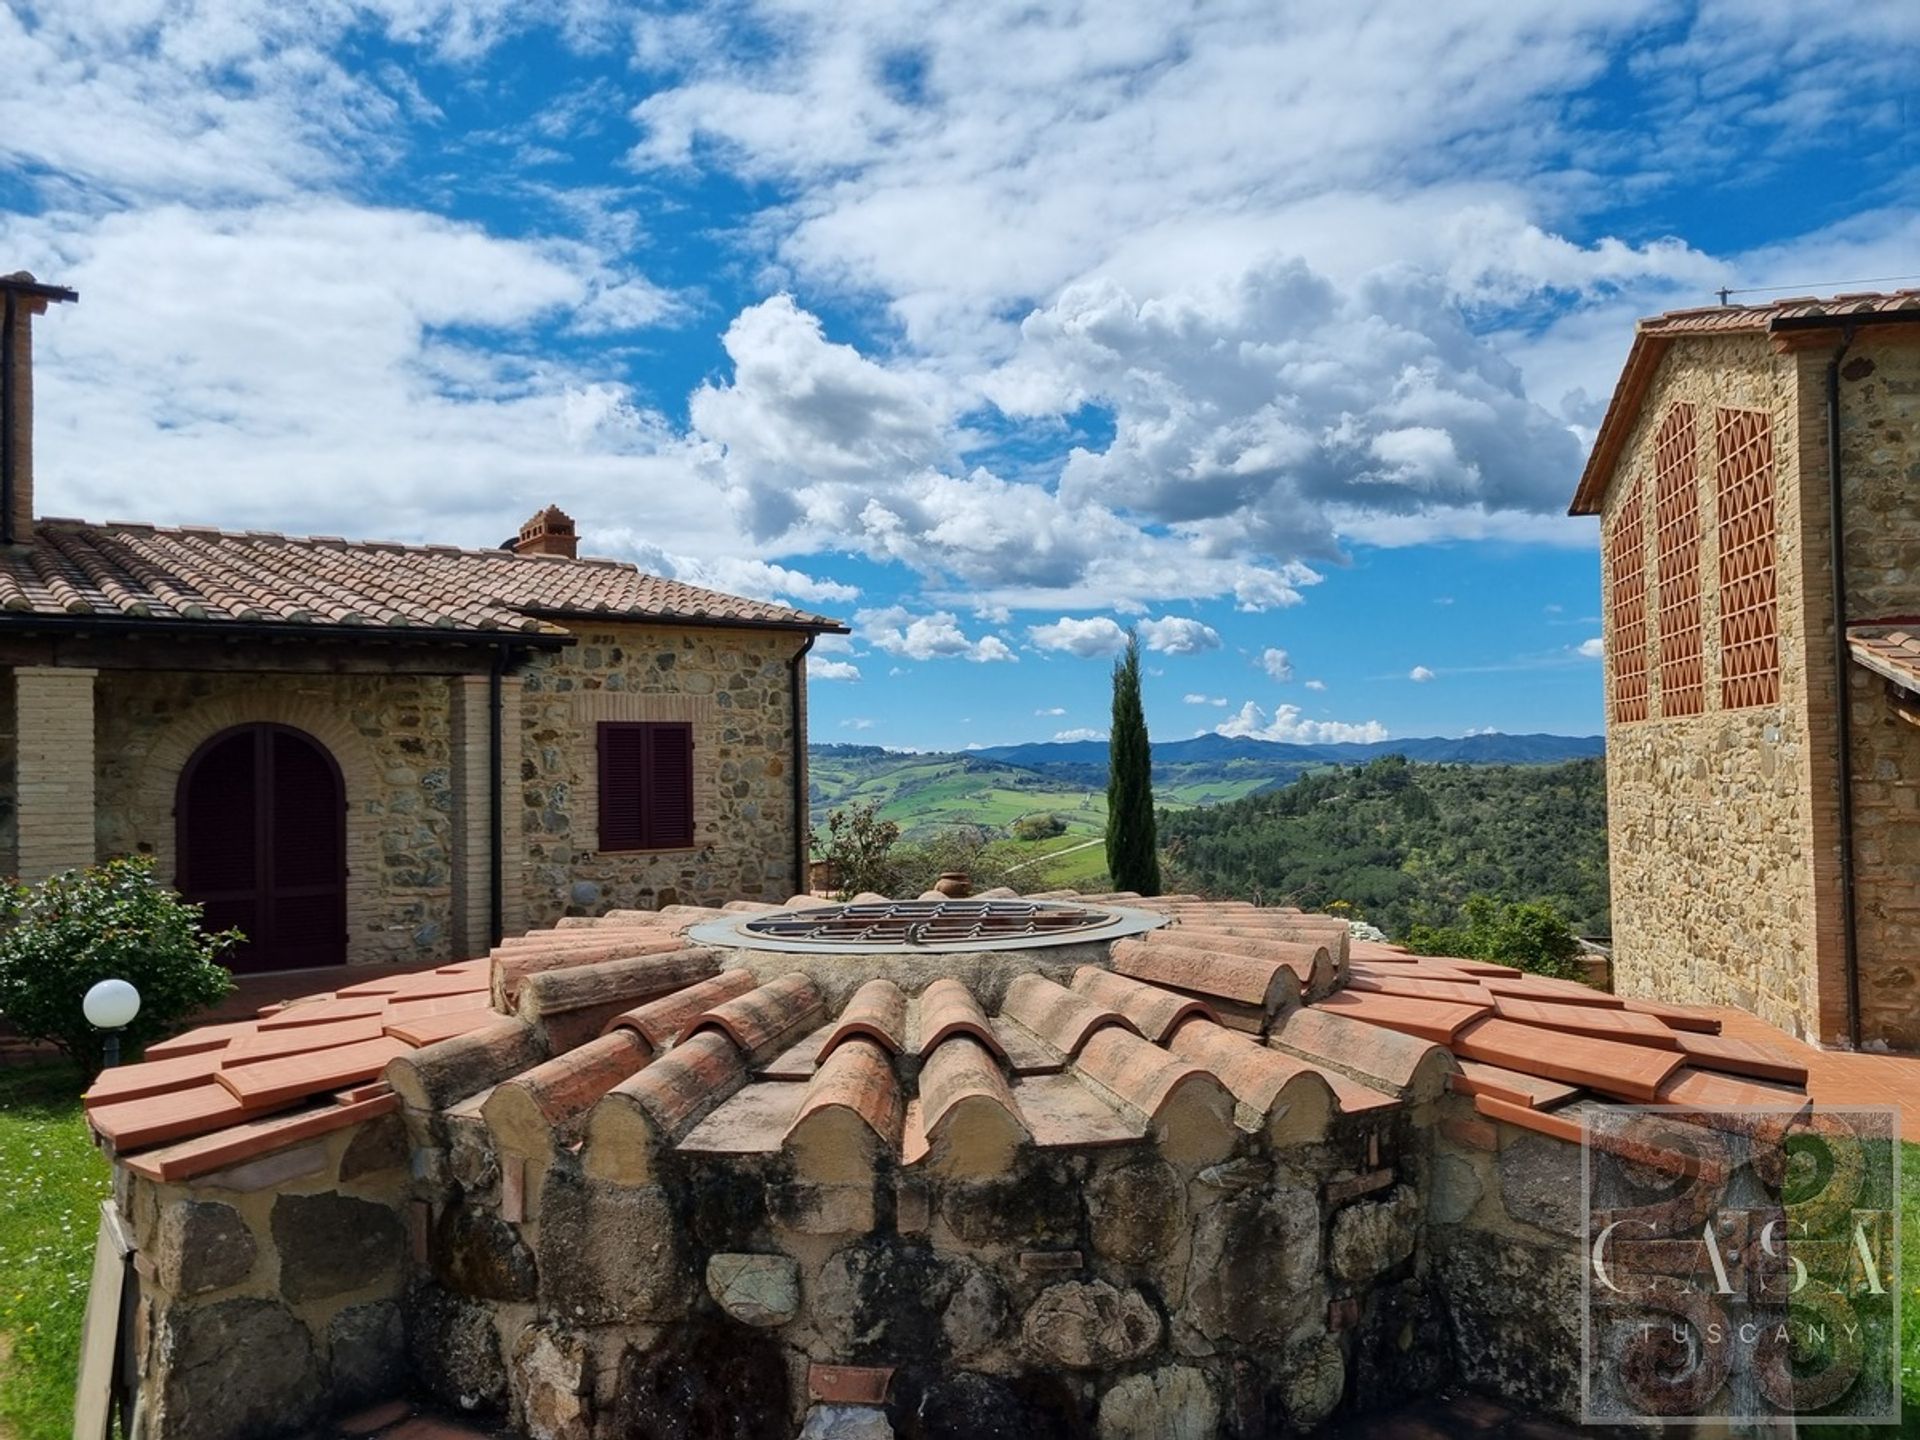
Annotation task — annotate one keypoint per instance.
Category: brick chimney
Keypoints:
(21, 298)
(549, 532)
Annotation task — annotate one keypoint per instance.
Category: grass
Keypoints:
(49, 1216)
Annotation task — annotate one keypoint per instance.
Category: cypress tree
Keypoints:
(1133, 856)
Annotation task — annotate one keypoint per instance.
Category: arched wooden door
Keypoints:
(260, 823)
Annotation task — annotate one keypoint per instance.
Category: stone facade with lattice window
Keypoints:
(1730, 843)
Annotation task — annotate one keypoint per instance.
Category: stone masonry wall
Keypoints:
(9, 779)
(390, 737)
(1880, 464)
(270, 1292)
(1712, 829)
(733, 687)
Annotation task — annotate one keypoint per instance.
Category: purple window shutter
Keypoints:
(669, 798)
(622, 782)
(646, 785)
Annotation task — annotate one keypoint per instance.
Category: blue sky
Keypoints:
(1276, 331)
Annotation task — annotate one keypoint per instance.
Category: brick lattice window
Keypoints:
(1676, 549)
(1749, 610)
(1627, 566)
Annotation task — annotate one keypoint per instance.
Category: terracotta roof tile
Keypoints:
(1384, 1059)
(154, 1077)
(1477, 1078)
(1141, 1075)
(1155, 1013)
(203, 1037)
(554, 1097)
(1259, 1077)
(236, 1142)
(1690, 1086)
(1063, 1019)
(138, 573)
(1676, 1017)
(170, 1115)
(298, 1039)
(1589, 1020)
(858, 1079)
(768, 1018)
(1356, 1098)
(1560, 1127)
(684, 1085)
(877, 1011)
(960, 1077)
(948, 1008)
(1741, 1057)
(293, 1077)
(660, 1022)
(1890, 651)
(1265, 985)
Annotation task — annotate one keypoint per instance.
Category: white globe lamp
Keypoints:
(110, 1005)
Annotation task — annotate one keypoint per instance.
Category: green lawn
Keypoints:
(49, 1215)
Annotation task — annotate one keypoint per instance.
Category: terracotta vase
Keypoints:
(955, 885)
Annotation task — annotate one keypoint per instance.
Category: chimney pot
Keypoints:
(548, 532)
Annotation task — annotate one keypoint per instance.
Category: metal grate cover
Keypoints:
(928, 925)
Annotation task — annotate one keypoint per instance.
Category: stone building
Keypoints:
(992, 1169)
(363, 751)
(1755, 478)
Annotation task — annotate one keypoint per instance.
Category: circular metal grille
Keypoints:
(927, 924)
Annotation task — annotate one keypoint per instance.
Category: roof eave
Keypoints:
(799, 625)
(26, 621)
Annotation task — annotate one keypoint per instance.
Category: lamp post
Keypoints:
(110, 1006)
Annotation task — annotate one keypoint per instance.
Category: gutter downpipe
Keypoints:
(496, 868)
(799, 762)
(8, 448)
(1843, 689)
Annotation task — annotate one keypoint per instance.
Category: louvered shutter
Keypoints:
(646, 786)
(623, 769)
(668, 805)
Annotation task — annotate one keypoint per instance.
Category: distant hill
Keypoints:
(1222, 749)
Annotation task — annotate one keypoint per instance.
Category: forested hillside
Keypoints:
(1403, 843)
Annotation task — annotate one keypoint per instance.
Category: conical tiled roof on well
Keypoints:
(619, 1033)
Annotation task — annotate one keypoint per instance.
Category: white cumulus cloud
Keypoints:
(1085, 638)
(1081, 733)
(1316, 685)
(1277, 663)
(1218, 701)
(1288, 724)
(1178, 635)
(934, 636)
(1592, 649)
(832, 670)
(1420, 675)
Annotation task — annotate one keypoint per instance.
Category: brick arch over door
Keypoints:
(177, 743)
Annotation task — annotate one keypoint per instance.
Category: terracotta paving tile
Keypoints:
(1677, 1017)
(1627, 1072)
(767, 1019)
(1025, 1052)
(800, 1059)
(1257, 1075)
(152, 1077)
(1140, 1075)
(289, 1078)
(1689, 1086)
(1463, 990)
(324, 1012)
(431, 1029)
(857, 1078)
(298, 1039)
(849, 1384)
(1528, 1118)
(1155, 1013)
(173, 1115)
(1392, 1061)
(1061, 1113)
(243, 1141)
(382, 985)
(948, 1008)
(1479, 1078)
(1480, 969)
(753, 1120)
(1559, 992)
(878, 1011)
(962, 1072)
(1623, 1025)
(204, 1037)
(1264, 984)
(1057, 1015)
(682, 1086)
(1355, 1098)
(661, 1022)
(403, 1010)
(1743, 1057)
(1435, 1020)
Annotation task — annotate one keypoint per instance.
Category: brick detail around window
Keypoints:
(1749, 609)
(1627, 617)
(1676, 545)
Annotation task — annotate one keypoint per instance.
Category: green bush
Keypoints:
(111, 921)
(1043, 826)
(1530, 935)
(859, 851)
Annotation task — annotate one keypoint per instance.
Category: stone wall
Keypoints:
(1503, 1207)
(390, 738)
(9, 779)
(733, 687)
(1880, 463)
(1712, 825)
(271, 1293)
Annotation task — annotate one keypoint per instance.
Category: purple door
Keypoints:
(260, 824)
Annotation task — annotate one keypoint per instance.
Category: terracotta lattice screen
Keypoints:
(1627, 614)
(1676, 549)
(1749, 609)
